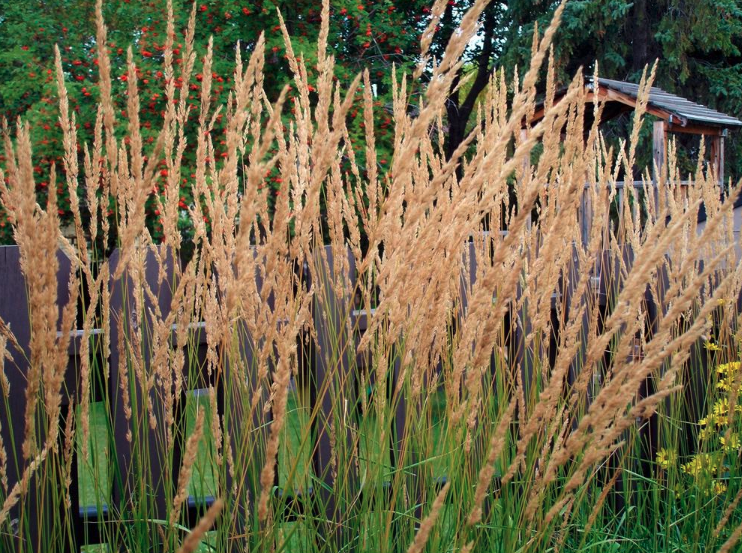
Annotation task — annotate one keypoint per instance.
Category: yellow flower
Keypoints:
(692, 468)
(711, 346)
(706, 433)
(666, 458)
(721, 407)
(728, 368)
(730, 445)
(701, 463)
(719, 488)
(724, 385)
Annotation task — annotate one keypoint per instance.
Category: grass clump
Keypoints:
(371, 362)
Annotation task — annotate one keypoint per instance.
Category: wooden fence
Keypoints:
(88, 521)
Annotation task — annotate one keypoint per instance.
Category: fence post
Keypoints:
(127, 322)
(14, 311)
(659, 155)
(239, 385)
(333, 379)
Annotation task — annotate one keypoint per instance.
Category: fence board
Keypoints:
(14, 312)
(238, 387)
(126, 321)
(333, 379)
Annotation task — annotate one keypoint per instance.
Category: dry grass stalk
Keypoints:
(728, 512)
(21, 487)
(732, 541)
(497, 442)
(3, 465)
(426, 527)
(69, 444)
(36, 232)
(242, 282)
(189, 458)
(280, 395)
(191, 543)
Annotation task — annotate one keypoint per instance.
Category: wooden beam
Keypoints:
(676, 123)
(605, 94)
(611, 95)
(694, 128)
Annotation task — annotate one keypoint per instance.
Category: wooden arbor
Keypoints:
(675, 114)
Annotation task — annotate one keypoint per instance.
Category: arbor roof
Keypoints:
(681, 114)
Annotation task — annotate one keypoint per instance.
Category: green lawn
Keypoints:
(294, 458)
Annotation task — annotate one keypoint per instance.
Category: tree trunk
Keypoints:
(639, 25)
(459, 112)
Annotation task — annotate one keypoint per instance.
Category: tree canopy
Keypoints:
(697, 43)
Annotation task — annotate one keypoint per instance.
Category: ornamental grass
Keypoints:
(498, 351)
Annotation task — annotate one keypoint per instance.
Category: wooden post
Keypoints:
(333, 379)
(14, 311)
(717, 158)
(587, 214)
(239, 383)
(526, 169)
(127, 321)
(659, 155)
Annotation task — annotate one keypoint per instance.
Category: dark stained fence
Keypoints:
(14, 312)
(328, 368)
(127, 320)
(239, 387)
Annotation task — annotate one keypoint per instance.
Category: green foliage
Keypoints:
(364, 35)
(697, 43)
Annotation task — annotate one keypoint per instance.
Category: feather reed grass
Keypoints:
(478, 337)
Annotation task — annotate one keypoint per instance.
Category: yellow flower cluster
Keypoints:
(718, 418)
(712, 346)
(705, 469)
(728, 373)
(701, 464)
(719, 488)
(728, 369)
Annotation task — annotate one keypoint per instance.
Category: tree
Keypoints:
(365, 35)
(697, 41)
